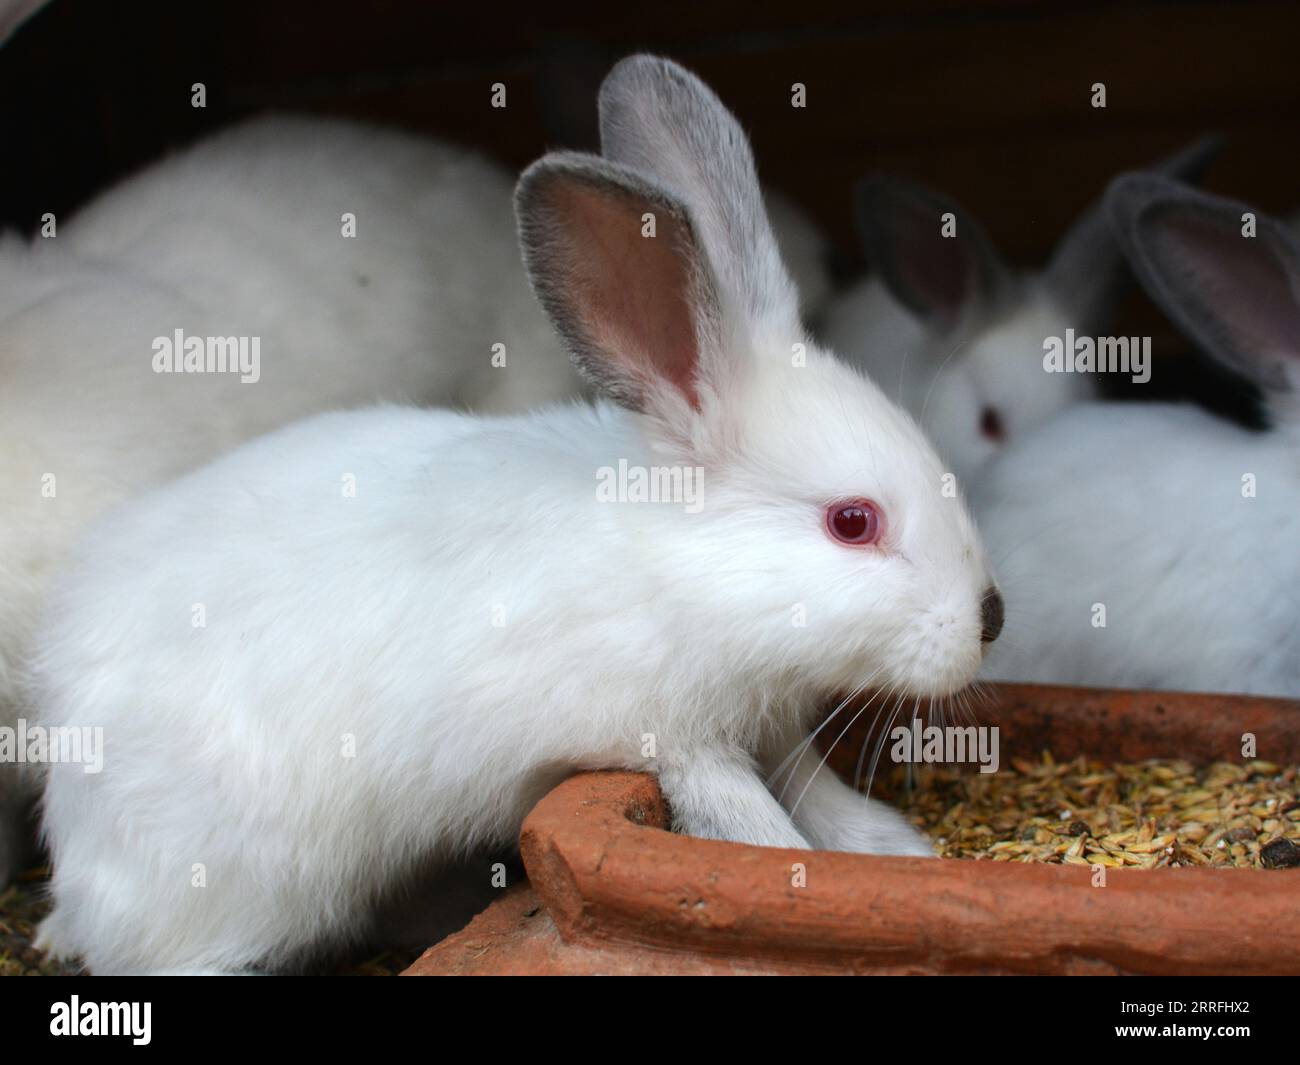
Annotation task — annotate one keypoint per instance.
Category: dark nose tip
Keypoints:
(991, 615)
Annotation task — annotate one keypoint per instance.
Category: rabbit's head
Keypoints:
(1227, 274)
(829, 546)
(978, 379)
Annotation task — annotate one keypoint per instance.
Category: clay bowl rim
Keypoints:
(599, 857)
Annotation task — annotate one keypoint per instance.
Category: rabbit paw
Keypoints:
(874, 829)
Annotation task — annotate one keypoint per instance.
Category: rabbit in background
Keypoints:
(372, 617)
(242, 236)
(1153, 545)
(958, 336)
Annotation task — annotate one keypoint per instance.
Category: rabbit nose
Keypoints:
(991, 615)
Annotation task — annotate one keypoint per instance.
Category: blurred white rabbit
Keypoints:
(946, 326)
(475, 621)
(1153, 545)
(243, 236)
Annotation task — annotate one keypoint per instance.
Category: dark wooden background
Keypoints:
(988, 101)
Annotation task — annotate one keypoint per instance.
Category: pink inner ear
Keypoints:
(633, 292)
(1239, 282)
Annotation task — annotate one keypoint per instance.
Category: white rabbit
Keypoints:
(476, 621)
(947, 327)
(242, 235)
(1183, 528)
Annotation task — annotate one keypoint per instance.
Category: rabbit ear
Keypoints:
(940, 269)
(15, 13)
(661, 121)
(637, 305)
(1087, 272)
(1237, 296)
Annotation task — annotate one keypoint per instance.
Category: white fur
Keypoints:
(1185, 529)
(947, 381)
(954, 355)
(241, 236)
(1140, 508)
(478, 625)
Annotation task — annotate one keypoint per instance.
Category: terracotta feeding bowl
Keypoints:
(611, 891)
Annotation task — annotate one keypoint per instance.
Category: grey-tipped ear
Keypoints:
(634, 299)
(1087, 272)
(1191, 163)
(1236, 295)
(936, 259)
(15, 13)
(660, 120)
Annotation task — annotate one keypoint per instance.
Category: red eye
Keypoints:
(854, 521)
(991, 425)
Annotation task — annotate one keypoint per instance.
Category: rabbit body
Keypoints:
(372, 640)
(1154, 545)
(242, 236)
(1139, 508)
(354, 703)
